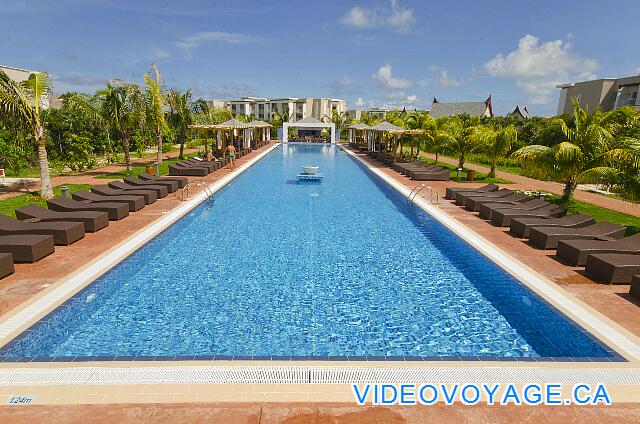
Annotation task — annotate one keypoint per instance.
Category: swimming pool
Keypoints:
(284, 269)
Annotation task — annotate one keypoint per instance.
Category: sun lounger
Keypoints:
(520, 227)
(503, 217)
(64, 233)
(484, 189)
(484, 206)
(135, 202)
(27, 248)
(442, 174)
(160, 191)
(210, 166)
(115, 210)
(177, 169)
(613, 268)
(575, 252)
(149, 196)
(182, 181)
(634, 290)
(93, 220)
(547, 238)
(171, 186)
(6, 265)
(461, 197)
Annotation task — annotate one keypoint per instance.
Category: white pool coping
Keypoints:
(313, 372)
(539, 284)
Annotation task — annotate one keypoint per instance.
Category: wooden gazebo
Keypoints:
(394, 138)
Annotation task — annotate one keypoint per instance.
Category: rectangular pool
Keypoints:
(282, 269)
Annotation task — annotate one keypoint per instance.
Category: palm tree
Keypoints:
(181, 115)
(339, 119)
(368, 119)
(498, 140)
(122, 104)
(591, 151)
(22, 101)
(459, 136)
(157, 99)
(425, 122)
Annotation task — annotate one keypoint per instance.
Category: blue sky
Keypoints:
(371, 53)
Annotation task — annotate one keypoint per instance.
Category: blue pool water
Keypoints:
(277, 268)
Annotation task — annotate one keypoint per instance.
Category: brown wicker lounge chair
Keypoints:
(548, 237)
(613, 268)
(149, 196)
(520, 227)
(484, 206)
(116, 211)
(171, 186)
(64, 233)
(634, 290)
(461, 197)
(135, 202)
(441, 174)
(93, 220)
(484, 189)
(210, 166)
(503, 217)
(6, 265)
(575, 252)
(27, 248)
(161, 191)
(177, 169)
(182, 181)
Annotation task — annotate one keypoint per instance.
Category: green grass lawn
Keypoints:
(164, 170)
(8, 206)
(601, 214)
(480, 177)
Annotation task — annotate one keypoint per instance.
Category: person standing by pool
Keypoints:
(232, 155)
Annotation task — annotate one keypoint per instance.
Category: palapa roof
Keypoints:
(233, 123)
(260, 124)
(387, 126)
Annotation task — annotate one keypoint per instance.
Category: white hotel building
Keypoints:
(298, 108)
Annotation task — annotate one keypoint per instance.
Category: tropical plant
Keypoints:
(421, 121)
(590, 153)
(181, 115)
(460, 136)
(369, 119)
(498, 141)
(23, 101)
(156, 97)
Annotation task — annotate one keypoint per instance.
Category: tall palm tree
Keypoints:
(368, 119)
(425, 122)
(157, 100)
(22, 101)
(181, 115)
(498, 141)
(460, 136)
(591, 152)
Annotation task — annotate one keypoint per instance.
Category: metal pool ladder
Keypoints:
(414, 193)
(198, 183)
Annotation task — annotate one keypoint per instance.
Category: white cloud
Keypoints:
(359, 102)
(77, 79)
(538, 67)
(200, 38)
(444, 81)
(395, 17)
(385, 78)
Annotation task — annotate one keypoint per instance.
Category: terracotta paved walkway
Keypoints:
(315, 414)
(526, 183)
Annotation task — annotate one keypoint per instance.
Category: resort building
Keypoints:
(298, 108)
(378, 112)
(605, 93)
(439, 109)
(19, 75)
(519, 113)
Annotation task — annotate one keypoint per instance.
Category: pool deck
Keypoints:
(33, 281)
